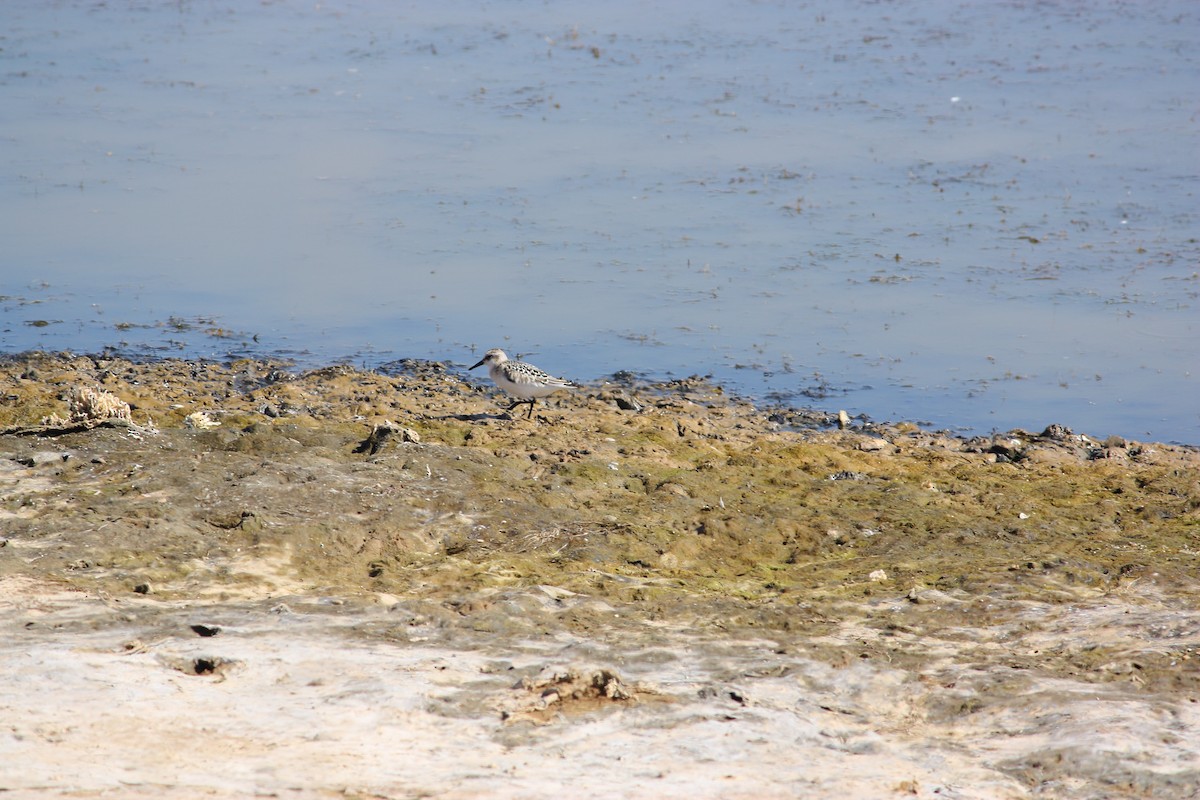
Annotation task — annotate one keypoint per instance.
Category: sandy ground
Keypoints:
(307, 698)
(256, 609)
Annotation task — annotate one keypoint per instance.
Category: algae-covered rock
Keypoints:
(714, 489)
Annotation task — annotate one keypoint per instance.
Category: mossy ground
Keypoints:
(699, 506)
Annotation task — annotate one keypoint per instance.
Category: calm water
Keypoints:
(975, 215)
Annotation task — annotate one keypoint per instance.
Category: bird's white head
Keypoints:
(492, 357)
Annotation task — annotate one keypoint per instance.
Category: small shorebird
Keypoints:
(523, 381)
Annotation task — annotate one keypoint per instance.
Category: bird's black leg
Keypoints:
(516, 403)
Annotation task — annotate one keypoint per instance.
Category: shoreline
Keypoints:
(786, 414)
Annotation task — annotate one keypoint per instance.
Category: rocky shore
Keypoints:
(223, 580)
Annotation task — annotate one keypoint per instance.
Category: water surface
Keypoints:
(978, 216)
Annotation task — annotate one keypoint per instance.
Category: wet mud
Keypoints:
(233, 578)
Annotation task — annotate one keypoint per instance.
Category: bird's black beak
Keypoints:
(480, 362)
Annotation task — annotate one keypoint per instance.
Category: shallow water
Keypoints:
(977, 216)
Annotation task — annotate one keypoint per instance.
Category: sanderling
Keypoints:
(524, 381)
